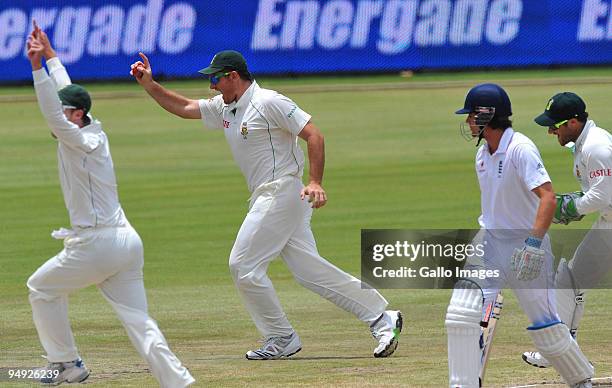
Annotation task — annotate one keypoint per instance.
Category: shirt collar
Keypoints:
(245, 98)
(583, 135)
(93, 127)
(504, 142)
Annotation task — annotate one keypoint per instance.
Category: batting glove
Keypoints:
(527, 262)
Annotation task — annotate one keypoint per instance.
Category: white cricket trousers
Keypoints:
(536, 297)
(278, 223)
(111, 258)
(593, 258)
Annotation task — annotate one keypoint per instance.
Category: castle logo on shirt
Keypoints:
(244, 130)
(600, 173)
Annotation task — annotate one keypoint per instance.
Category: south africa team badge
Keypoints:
(244, 130)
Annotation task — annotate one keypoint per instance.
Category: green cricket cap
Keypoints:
(76, 96)
(227, 59)
(561, 106)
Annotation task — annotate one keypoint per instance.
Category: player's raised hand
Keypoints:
(316, 195)
(35, 51)
(141, 70)
(42, 37)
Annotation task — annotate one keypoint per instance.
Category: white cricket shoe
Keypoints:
(64, 372)
(276, 347)
(386, 329)
(536, 359)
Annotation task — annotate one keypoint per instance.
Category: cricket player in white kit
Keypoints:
(101, 247)
(261, 127)
(566, 117)
(517, 204)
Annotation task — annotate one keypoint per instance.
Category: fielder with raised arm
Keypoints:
(101, 247)
(262, 128)
(517, 205)
(566, 117)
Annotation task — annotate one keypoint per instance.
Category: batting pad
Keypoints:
(570, 301)
(561, 350)
(463, 331)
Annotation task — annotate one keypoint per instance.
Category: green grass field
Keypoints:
(394, 160)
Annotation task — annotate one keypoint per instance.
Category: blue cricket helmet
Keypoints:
(487, 95)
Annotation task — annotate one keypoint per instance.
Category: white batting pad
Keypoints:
(570, 301)
(463, 331)
(561, 350)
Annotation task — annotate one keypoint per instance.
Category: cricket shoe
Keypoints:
(276, 347)
(536, 359)
(64, 372)
(386, 329)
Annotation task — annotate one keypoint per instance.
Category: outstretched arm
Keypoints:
(57, 71)
(167, 99)
(50, 105)
(316, 156)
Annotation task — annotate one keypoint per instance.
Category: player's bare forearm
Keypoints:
(167, 99)
(316, 151)
(173, 102)
(316, 155)
(546, 209)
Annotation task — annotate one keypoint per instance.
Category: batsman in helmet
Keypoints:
(517, 208)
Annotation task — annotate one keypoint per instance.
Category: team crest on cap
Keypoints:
(549, 104)
(244, 130)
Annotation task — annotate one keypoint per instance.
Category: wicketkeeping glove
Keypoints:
(527, 262)
(566, 208)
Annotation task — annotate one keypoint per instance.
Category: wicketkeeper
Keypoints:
(566, 117)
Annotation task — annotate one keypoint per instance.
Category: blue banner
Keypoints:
(99, 39)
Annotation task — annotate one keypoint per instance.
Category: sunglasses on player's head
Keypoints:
(215, 78)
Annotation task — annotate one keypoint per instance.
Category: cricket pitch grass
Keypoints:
(394, 160)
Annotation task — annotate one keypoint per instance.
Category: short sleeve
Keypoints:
(285, 113)
(530, 166)
(211, 110)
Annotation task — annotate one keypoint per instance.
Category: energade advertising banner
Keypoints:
(98, 39)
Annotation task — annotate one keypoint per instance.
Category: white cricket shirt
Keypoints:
(506, 179)
(85, 165)
(593, 169)
(261, 129)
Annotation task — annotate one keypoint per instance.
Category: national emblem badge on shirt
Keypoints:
(244, 130)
